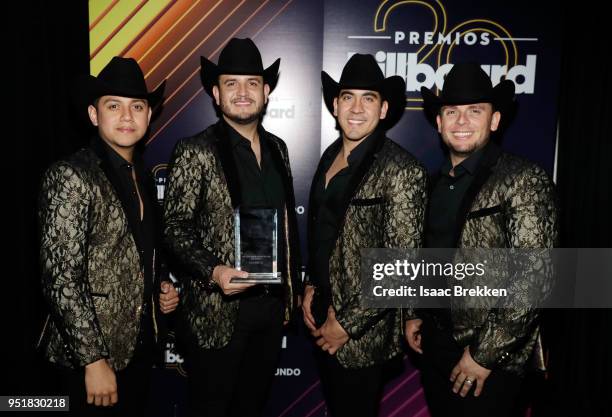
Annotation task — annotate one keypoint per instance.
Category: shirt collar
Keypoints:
(360, 151)
(115, 160)
(236, 139)
(469, 165)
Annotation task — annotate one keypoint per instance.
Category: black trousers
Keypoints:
(235, 380)
(353, 392)
(499, 398)
(133, 386)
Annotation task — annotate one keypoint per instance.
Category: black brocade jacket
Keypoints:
(510, 204)
(202, 191)
(92, 276)
(383, 207)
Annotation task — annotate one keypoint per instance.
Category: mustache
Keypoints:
(243, 98)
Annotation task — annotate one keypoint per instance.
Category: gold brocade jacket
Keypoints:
(510, 204)
(383, 207)
(202, 192)
(92, 276)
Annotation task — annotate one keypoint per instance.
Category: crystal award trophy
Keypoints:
(256, 233)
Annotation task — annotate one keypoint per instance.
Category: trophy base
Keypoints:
(259, 278)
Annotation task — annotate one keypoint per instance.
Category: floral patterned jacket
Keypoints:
(384, 207)
(92, 277)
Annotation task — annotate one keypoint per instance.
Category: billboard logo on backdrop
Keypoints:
(159, 174)
(172, 360)
(280, 108)
(423, 58)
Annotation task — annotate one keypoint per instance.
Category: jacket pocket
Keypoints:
(367, 201)
(99, 294)
(487, 211)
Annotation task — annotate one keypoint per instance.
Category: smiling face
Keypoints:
(241, 98)
(121, 121)
(359, 112)
(466, 128)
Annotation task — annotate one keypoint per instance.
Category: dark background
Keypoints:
(50, 48)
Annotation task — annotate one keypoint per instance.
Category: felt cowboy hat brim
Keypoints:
(210, 73)
(97, 88)
(468, 83)
(499, 96)
(391, 89)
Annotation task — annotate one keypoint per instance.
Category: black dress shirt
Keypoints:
(441, 229)
(326, 203)
(445, 201)
(261, 186)
(143, 230)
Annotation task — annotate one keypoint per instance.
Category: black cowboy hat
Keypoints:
(361, 72)
(122, 77)
(467, 83)
(238, 57)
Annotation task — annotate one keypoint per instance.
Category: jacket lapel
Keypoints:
(483, 172)
(292, 257)
(332, 149)
(115, 182)
(354, 183)
(228, 164)
(360, 173)
(281, 167)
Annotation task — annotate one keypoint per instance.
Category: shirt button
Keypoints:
(452, 187)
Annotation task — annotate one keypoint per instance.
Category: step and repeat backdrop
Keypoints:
(416, 39)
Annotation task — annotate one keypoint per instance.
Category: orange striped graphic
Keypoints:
(168, 40)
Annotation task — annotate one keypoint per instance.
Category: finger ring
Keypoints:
(468, 381)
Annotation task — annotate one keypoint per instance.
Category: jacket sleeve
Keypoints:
(403, 228)
(531, 222)
(181, 202)
(64, 205)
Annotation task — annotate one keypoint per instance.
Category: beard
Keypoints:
(242, 118)
(465, 150)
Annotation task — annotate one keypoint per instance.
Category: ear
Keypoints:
(439, 123)
(266, 92)
(383, 109)
(216, 93)
(149, 117)
(336, 106)
(495, 119)
(93, 115)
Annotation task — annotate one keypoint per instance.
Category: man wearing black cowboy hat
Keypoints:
(232, 331)
(367, 192)
(473, 359)
(98, 252)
